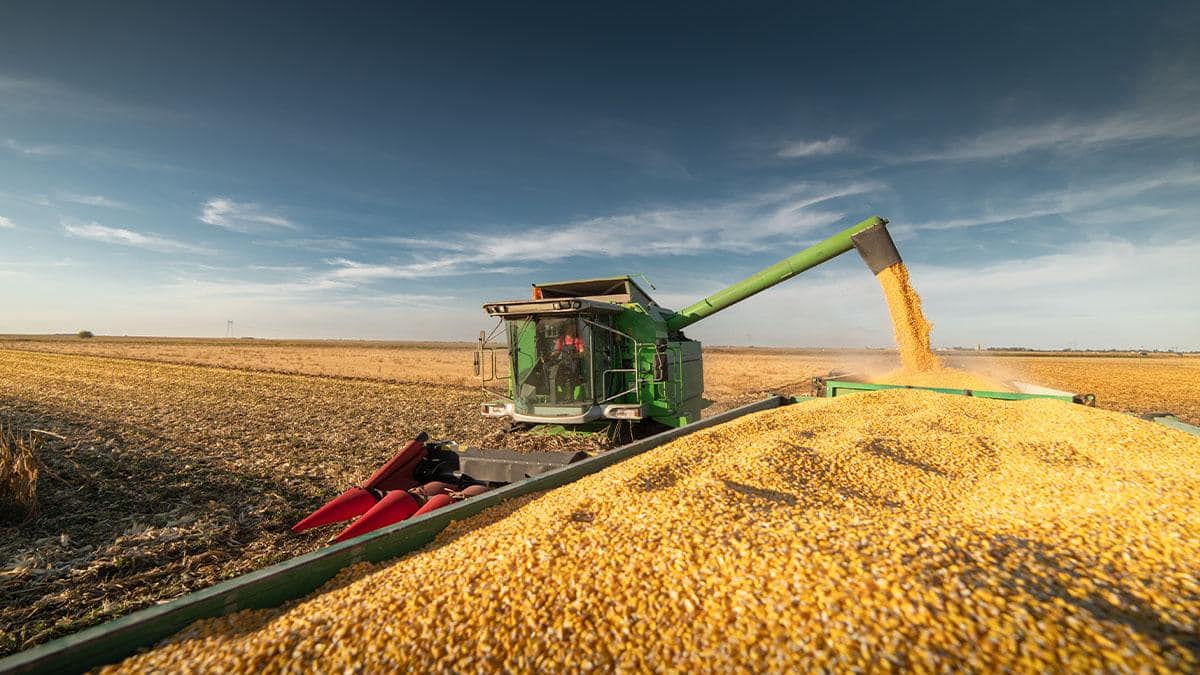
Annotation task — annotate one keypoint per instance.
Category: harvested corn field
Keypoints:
(1138, 384)
(408, 362)
(896, 529)
(167, 478)
(732, 374)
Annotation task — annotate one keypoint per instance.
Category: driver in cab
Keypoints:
(568, 350)
(569, 342)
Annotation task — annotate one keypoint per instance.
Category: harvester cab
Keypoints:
(587, 351)
(602, 350)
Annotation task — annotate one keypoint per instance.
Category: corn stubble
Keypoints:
(18, 475)
(892, 529)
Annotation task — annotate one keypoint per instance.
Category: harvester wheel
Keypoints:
(512, 427)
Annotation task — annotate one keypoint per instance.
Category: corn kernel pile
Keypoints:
(919, 366)
(891, 529)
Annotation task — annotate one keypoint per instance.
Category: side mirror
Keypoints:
(478, 365)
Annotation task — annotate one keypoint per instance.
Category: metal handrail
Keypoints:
(604, 384)
(636, 388)
(483, 340)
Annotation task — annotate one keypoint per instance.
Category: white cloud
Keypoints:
(756, 223)
(289, 269)
(325, 245)
(35, 200)
(300, 286)
(125, 237)
(416, 242)
(354, 271)
(1170, 118)
(5, 223)
(1122, 215)
(27, 150)
(253, 289)
(41, 99)
(1163, 105)
(359, 271)
(813, 148)
(399, 300)
(1099, 203)
(242, 216)
(985, 217)
(87, 155)
(92, 200)
(42, 96)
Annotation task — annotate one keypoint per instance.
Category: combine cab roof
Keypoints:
(521, 308)
(607, 289)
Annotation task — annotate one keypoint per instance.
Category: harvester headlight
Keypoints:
(494, 410)
(624, 412)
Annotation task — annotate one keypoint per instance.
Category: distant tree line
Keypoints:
(1073, 349)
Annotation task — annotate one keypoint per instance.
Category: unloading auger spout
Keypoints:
(870, 237)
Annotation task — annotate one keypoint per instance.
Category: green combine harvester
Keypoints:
(586, 354)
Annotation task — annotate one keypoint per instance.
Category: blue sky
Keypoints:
(351, 171)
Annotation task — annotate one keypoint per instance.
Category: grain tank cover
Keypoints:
(620, 290)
